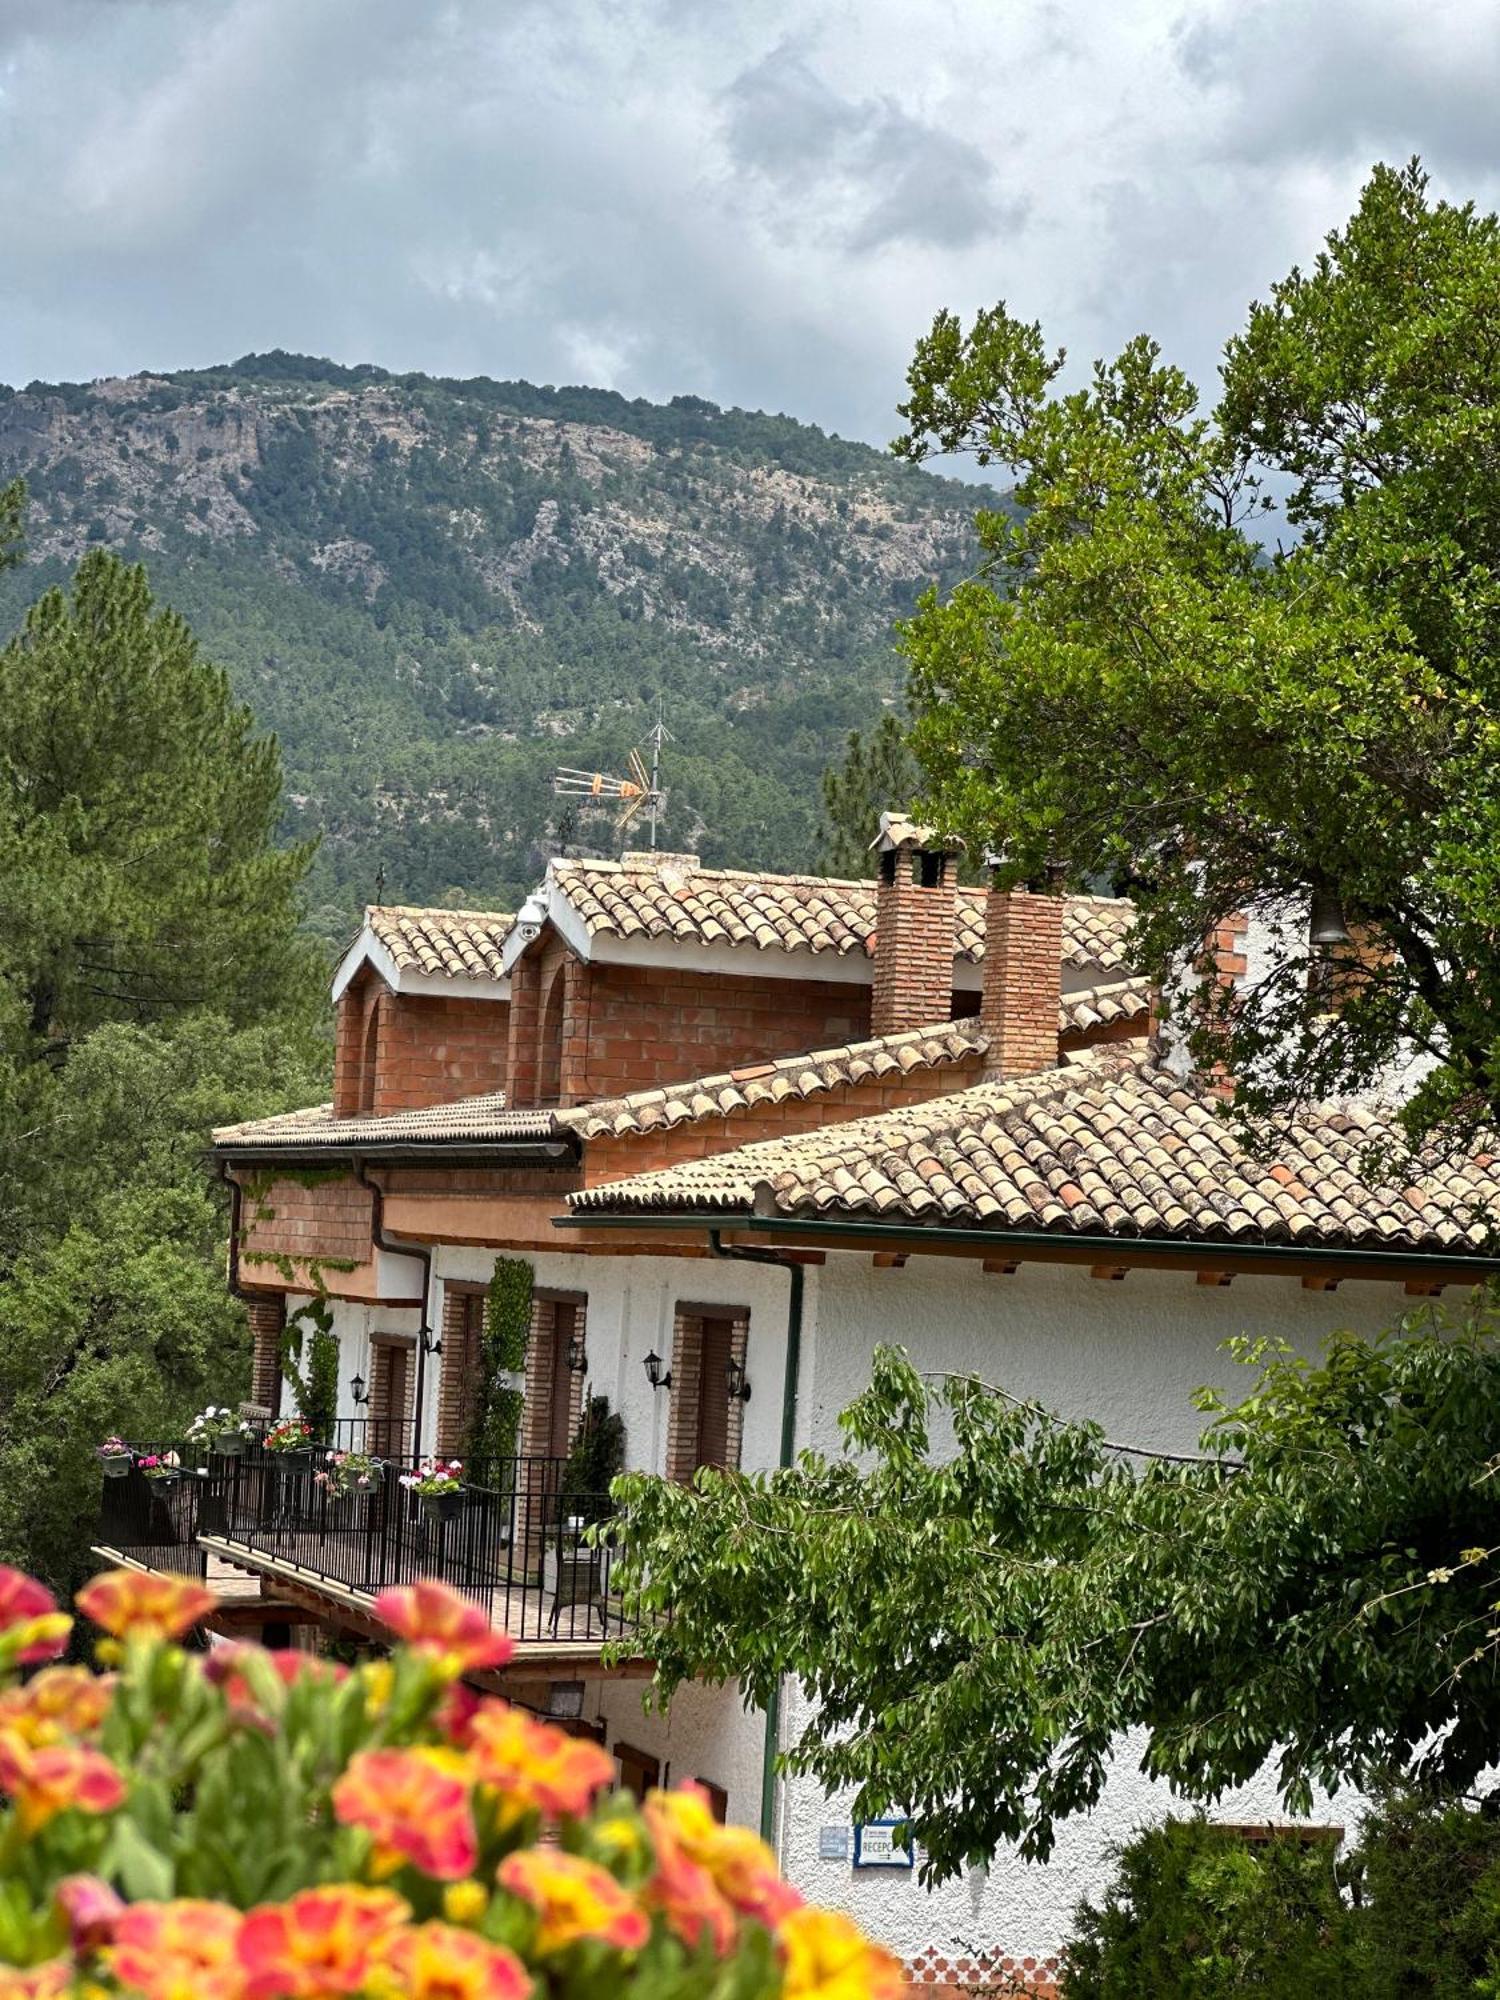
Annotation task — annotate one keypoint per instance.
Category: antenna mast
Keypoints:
(656, 736)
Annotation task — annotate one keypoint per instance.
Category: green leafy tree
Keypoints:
(1138, 685)
(878, 773)
(975, 1626)
(152, 985)
(138, 878)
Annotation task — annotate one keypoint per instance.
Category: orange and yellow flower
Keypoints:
(741, 1867)
(184, 1950)
(31, 1626)
(574, 1899)
(436, 1962)
(38, 1982)
(415, 1806)
(57, 1703)
(827, 1957)
(535, 1765)
(49, 1780)
(682, 1888)
(133, 1603)
(323, 1941)
(455, 1633)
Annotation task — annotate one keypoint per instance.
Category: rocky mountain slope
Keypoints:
(435, 591)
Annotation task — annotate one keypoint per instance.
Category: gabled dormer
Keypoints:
(423, 1010)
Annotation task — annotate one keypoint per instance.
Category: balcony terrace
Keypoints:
(258, 1521)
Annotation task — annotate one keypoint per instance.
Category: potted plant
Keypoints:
(343, 1474)
(161, 1467)
(114, 1455)
(291, 1441)
(438, 1485)
(221, 1430)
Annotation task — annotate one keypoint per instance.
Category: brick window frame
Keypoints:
(463, 1356)
(267, 1324)
(393, 1382)
(702, 1410)
(640, 1772)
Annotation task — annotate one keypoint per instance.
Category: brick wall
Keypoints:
(636, 1026)
(424, 1048)
(1022, 981)
(695, 1388)
(267, 1320)
(330, 1219)
(915, 905)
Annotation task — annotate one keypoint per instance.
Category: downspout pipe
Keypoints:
(789, 1387)
(424, 1257)
(236, 1223)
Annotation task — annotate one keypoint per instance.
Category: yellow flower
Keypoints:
(574, 1899)
(827, 1957)
(465, 1902)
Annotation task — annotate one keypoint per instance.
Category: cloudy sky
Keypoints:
(760, 201)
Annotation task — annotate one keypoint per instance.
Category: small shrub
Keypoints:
(1195, 1912)
(597, 1457)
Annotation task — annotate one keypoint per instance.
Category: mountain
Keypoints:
(435, 591)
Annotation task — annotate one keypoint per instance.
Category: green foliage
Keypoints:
(137, 878)
(1197, 1913)
(878, 774)
(1429, 1893)
(152, 986)
(433, 592)
(596, 1460)
(975, 1625)
(507, 1327)
(310, 1363)
(1136, 687)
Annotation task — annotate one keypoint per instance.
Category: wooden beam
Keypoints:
(1321, 1282)
(1114, 1272)
(1000, 1267)
(1216, 1277)
(889, 1260)
(1423, 1288)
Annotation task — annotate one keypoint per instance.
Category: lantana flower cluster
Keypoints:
(246, 1824)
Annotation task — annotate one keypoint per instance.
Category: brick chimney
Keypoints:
(915, 916)
(1022, 981)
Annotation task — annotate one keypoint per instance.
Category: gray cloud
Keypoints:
(764, 204)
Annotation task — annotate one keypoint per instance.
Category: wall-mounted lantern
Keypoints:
(577, 1356)
(735, 1381)
(357, 1391)
(656, 1375)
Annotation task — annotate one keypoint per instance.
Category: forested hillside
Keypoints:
(435, 591)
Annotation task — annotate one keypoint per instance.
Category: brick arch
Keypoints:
(549, 1038)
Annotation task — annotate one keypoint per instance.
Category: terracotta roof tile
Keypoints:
(672, 896)
(457, 944)
(1101, 1145)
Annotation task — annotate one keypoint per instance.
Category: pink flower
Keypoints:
(453, 1632)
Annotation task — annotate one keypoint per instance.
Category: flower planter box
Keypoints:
(442, 1506)
(294, 1461)
(116, 1465)
(230, 1445)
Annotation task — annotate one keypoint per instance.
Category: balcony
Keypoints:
(514, 1543)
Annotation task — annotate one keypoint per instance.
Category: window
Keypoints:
(706, 1421)
(554, 1389)
(639, 1771)
(391, 1385)
(463, 1350)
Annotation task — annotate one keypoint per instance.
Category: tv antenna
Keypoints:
(639, 793)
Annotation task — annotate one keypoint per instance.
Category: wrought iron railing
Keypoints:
(517, 1542)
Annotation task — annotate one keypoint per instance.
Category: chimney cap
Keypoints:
(898, 830)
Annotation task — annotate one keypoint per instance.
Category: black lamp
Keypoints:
(357, 1390)
(1327, 926)
(655, 1375)
(735, 1382)
(577, 1356)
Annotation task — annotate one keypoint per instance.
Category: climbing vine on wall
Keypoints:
(310, 1363)
(507, 1326)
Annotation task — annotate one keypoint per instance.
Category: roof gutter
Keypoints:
(1042, 1244)
(791, 1372)
(536, 1152)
